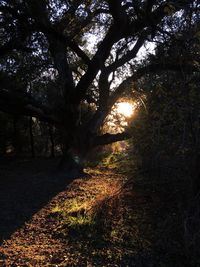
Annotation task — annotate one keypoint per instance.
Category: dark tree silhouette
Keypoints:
(49, 73)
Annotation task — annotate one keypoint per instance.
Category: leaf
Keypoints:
(169, 9)
(196, 63)
(197, 35)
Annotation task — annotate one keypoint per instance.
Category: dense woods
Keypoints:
(65, 64)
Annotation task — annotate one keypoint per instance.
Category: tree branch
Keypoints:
(43, 24)
(152, 68)
(115, 33)
(118, 13)
(24, 104)
(128, 56)
(100, 115)
(155, 17)
(14, 44)
(68, 42)
(97, 61)
(110, 138)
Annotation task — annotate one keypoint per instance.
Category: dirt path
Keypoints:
(99, 220)
(46, 239)
(25, 187)
(48, 220)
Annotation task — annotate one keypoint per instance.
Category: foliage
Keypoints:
(68, 62)
(166, 141)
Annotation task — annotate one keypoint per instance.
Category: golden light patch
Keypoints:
(126, 109)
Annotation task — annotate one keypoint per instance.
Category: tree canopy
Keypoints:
(59, 57)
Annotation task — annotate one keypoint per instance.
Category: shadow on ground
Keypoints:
(25, 187)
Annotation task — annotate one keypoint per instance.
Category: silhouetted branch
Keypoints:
(110, 138)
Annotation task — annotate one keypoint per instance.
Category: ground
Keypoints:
(108, 218)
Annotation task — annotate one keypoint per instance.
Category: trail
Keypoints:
(82, 225)
(26, 186)
(109, 218)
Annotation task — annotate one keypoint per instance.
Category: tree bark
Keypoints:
(52, 155)
(71, 163)
(31, 137)
(15, 135)
(196, 174)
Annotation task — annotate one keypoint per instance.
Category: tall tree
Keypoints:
(49, 70)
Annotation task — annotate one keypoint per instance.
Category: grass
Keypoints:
(107, 219)
(119, 224)
(98, 219)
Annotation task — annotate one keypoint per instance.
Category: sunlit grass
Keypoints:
(78, 221)
(97, 220)
(57, 209)
(81, 209)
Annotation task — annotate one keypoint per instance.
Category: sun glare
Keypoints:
(125, 108)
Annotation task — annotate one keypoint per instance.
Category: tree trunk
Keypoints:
(75, 148)
(72, 164)
(15, 135)
(52, 155)
(196, 174)
(31, 137)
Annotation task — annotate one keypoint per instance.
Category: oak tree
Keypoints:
(59, 57)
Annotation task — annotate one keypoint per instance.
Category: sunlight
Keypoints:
(120, 116)
(126, 109)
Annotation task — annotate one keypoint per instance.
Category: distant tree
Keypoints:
(49, 72)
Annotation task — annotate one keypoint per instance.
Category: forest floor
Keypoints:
(111, 217)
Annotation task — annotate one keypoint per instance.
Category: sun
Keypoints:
(125, 108)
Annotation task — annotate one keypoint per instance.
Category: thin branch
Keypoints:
(100, 115)
(155, 17)
(115, 33)
(128, 56)
(152, 68)
(66, 41)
